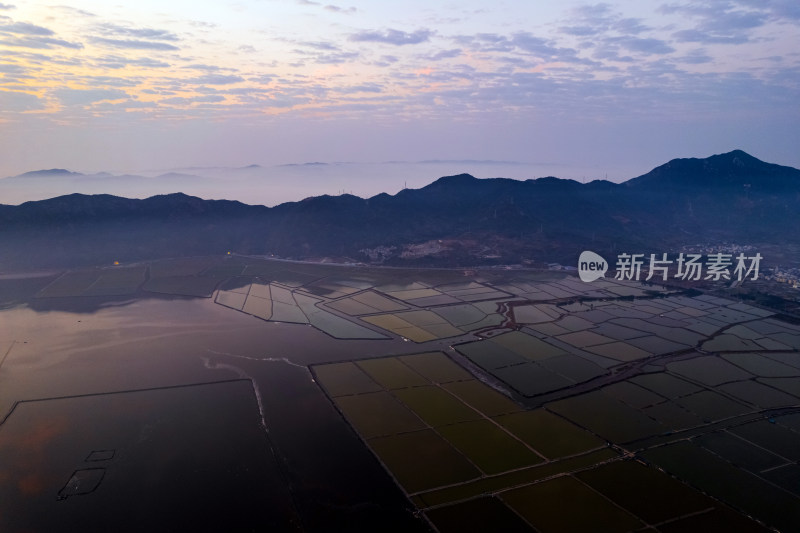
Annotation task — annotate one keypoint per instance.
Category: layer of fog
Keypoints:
(278, 184)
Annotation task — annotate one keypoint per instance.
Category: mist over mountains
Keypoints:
(457, 220)
(266, 185)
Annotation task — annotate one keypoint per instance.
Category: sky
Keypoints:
(567, 88)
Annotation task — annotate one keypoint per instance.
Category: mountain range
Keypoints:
(455, 221)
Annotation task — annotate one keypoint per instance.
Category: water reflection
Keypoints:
(187, 456)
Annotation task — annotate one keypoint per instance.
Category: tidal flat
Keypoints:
(237, 393)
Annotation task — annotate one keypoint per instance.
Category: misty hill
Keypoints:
(49, 173)
(730, 197)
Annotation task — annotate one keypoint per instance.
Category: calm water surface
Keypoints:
(193, 417)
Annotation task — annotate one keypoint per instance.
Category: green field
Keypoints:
(760, 365)
(436, 406)
(461, 315)
(527, 346)
(531, 379)
(482, 398)
(391, 373)
(418, 326)
(547, 507)
(549, 434)
(489, 447)
(378, 301)
(712, 406)
(376, 414)
(422, 460)
(772, 437)
(623, 482)
(732, 485)
(607, 417)
(739, 451)
(633, 395)
(436, 367)
(621, 351)
(666, 385)
(709, 370)
(489, 355)
(673, 416)
(341, 379)
(482, 514)
(757, 394)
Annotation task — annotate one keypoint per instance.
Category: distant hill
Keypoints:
(731, 197)
(733, 170)
(49, 173)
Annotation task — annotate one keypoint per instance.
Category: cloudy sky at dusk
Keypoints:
(617, 87)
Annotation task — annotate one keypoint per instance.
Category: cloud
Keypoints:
(704, 37)
(444, 54)
(39, 42)
(118, 62)
(133, 44)
(284, 101)
(204, 67)
(329, 7)
(485, 42)
(74, 11)
(645, 46)
(599, 19)
(524, 43)
(262, 79)
(394, 37)
(216, 79)
(718, 22)
(362, 88)
(735, 20)
(337, 9)
(75, 97)
(126, 105)
(695, 57)
(581, 31)
(7, 7)
(205, 99)
(14, 101)
(10, 68)
(543, 49)
(324, 52)
(785, 9)
(319, 45)
(25, 28)
(630, 26)
(138, 33)
(111, 81)
(337, 58)
(385, 61)
(611, 53)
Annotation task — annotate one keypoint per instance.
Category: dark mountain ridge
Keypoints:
(731, 197)
(736, 169)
